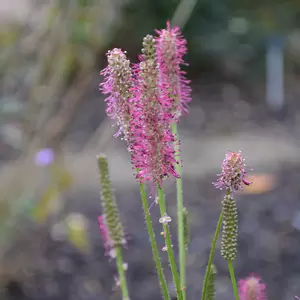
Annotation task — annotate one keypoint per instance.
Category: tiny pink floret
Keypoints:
(108, 242)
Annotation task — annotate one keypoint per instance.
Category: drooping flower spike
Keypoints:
(251, 288)
(117, 84)
(233, 173)
(170, 50)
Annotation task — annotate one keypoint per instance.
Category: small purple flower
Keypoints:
(251, 288)
(44, 157)
(233, 173)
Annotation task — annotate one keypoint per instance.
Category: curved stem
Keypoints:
(182, 251)
(211, 255)
(159, 269)
(163, 211)
(121, 272)
(233, 281)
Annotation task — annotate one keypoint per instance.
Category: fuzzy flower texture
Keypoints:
(145, 100)
(251, 288)
(233, 173)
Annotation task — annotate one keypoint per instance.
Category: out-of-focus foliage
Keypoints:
(227, 34)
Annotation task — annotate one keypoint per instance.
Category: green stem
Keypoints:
(121, 272)
(182, 251)
(159, 269)
(233, 281)
(211, 256)
(163, 211)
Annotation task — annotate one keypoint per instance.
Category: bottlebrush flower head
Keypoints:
(117, 84)
(170, 50)
(233, 173)
(251, 288)
(151, 144)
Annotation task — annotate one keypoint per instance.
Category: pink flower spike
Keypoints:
(151, 143)
(117, 84)
(233, 173)
(108, 242)
(170, 50)
(251, 288)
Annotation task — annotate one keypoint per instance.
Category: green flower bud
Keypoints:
(230, 228)
(110, 209)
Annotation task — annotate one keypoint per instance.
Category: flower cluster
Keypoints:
(251, 288)
(147, 99)
(117, 83)
(233, 173)
(152, 140)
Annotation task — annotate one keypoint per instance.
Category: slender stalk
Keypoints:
(182, 251)
(163, 211)
(233, 281)
(211, 255)
(159, 269)
(121, 272)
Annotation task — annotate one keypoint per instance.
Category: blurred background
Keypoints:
(244, 61)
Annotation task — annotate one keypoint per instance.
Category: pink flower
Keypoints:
(117, 83)
(151, 143)
(170, 49)
(108, 242)
(251, 288)
(233, 173)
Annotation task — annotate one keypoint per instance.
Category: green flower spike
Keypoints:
(230, 228)
(110, 209)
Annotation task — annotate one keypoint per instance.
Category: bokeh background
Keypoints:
(244, 61)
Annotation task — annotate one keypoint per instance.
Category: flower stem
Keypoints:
(121, 272)
(233, 281)
(182, 251)
(211, 256)
(159, 269)
(163, 211)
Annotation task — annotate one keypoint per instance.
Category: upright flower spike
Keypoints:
(230, 228)
(170, 50)
(117, 84)
(251, 288)
(151, 143)
(110, 210)
(233, 173)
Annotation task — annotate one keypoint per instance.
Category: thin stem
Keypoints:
(121, 272)
(233, 281)
(159, 269)
(163, 211)
(211, 255)
(181, 247)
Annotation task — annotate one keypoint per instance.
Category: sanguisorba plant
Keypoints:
(146, 100)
